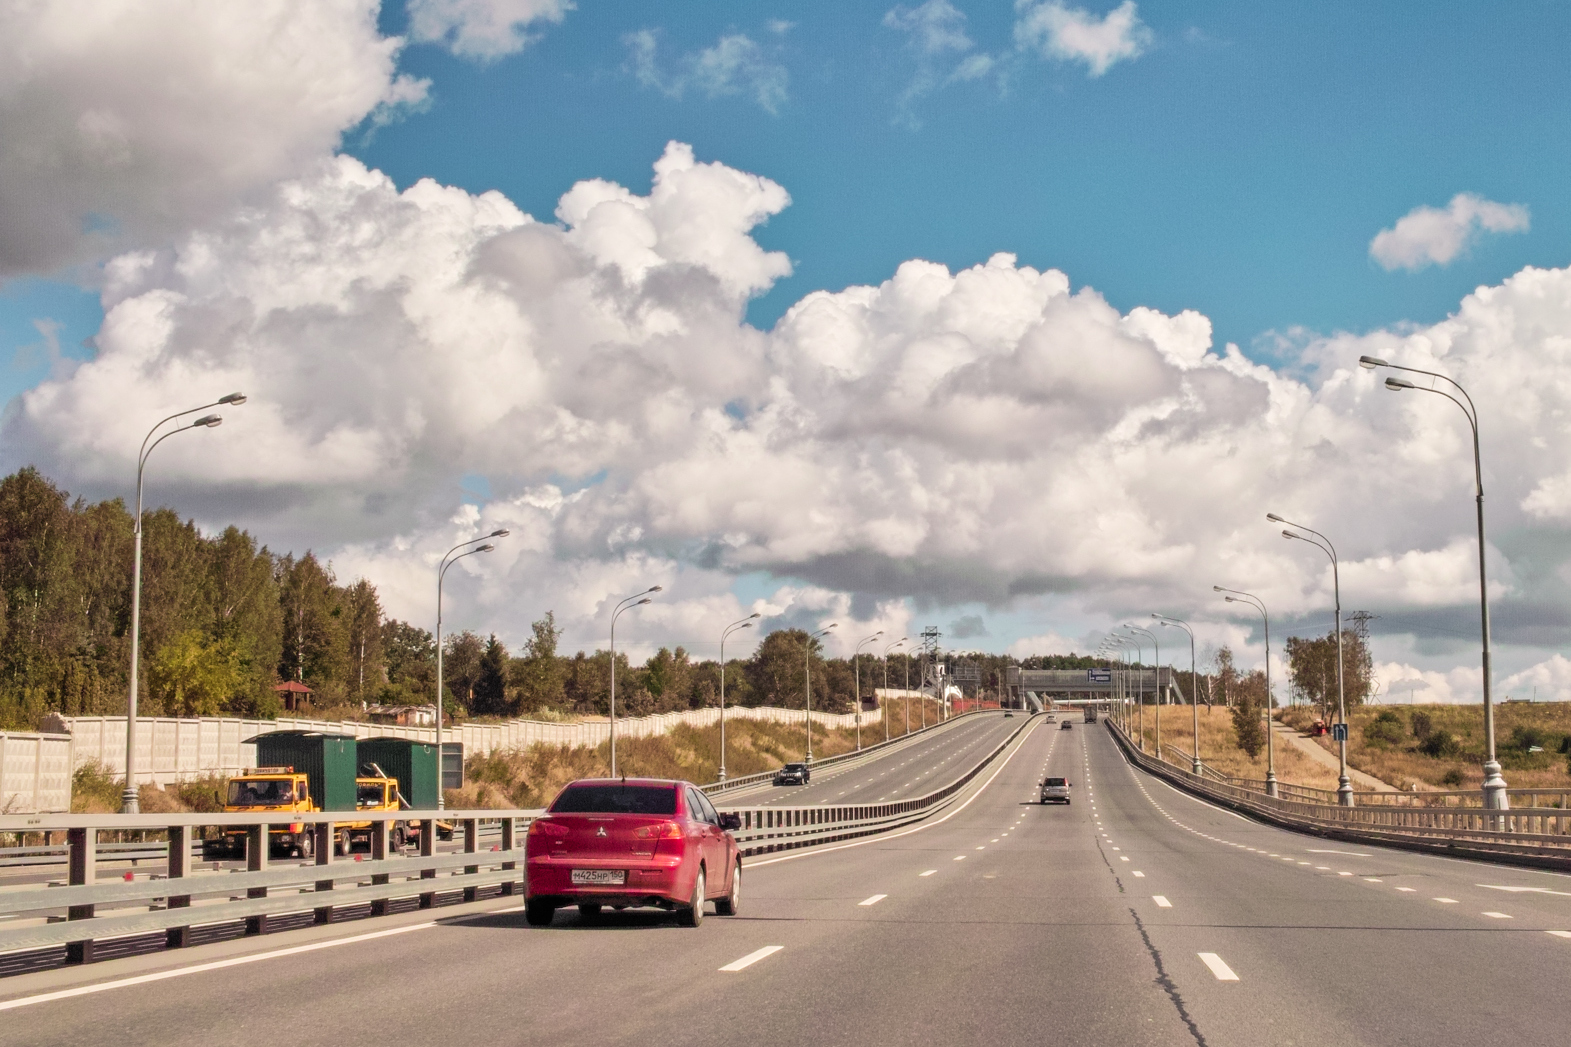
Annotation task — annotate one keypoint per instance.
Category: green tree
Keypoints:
(410, 657)
(776, 670)
(315, 638)
(461, 668)
(540, 676)
(490, 687)
(193, 675)
(363, 633)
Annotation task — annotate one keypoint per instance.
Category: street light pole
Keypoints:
(1194, 683)
(129, 801)
(745, 623)
(1255, 602)
(1344, 785)
(1156, 647)
(448, 560)
(807, 678)
(856, 662)
(883, 709)
(1495, 795)
(636, 600)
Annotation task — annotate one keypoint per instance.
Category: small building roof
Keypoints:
(293, 687)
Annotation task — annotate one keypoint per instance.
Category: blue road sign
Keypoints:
(1339, 732)
(1099, 675)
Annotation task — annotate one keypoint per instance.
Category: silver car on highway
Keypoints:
(1055, 790)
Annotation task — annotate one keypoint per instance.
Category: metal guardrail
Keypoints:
(188, 897)
(1526, 835)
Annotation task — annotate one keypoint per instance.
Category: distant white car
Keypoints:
(1055, 790)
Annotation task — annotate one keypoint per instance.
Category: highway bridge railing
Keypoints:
(85, 912)
(1535, 831)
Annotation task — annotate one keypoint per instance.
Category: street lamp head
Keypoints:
(1274, 518)
(503, 533)
(1230, 599)
(654, 589)
(745, 625)
(641, 603)
(1216, 588)
(210, 421)
(1289, 534)
(1397, 384)
(485, 548)
(1372, 362)
(233, 398)
(755, 614)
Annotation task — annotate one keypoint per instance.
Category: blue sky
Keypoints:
(1236, 159)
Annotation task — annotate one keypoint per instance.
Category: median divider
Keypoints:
(1456, 824)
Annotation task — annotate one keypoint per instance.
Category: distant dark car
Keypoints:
(632, 842)
(793, 774)
(1066, 725)
(1008, 713)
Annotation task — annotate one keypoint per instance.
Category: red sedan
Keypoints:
(632, 842)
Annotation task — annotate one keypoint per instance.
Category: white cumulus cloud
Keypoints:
(1435, 236)
(482, 29)
(1073, 34)
(125, 123)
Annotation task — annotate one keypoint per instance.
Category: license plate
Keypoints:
(600, 876)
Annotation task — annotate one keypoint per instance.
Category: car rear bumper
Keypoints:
(650, 881)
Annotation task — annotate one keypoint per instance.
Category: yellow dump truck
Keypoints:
(265, 789)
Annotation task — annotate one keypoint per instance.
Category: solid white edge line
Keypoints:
(874, 900)
(235, 961)
(1223, 972)
(752, 958)
(810, 852)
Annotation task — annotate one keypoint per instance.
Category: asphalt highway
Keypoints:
(1137, 915)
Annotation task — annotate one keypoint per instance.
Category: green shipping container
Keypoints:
(329, 762)
(412, 763)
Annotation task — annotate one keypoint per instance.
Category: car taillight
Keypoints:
(539, 827)
(659, 831)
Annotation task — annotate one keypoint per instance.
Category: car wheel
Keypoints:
(589, 910)
(727, 906)
(539, 913)
(692, 915)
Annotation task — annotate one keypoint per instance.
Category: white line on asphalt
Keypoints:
(874, 900)
(1519, 890)
(1408, 890)
(1374, 879)
(1498, 915)
(1559, 934)
(1161, 902)
(928, 873)
(960, 857)
(1223, 972)
(1344, 873)
(982, 846)
(143, 979)
(1123, 858)
(1444, 901)
(1350, 854)
(752, 958)
(1140, 874)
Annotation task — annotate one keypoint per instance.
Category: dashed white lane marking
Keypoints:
(1407, 890)
(1520, 890)
(874, 900)
(1373, 879)
(981, 846)
(1139, 874)
(1344, 873)
(1498, 915)
(1444, 901)
(1223, 972)
(1161, 902)
(928, 873)
(1559, 934)
(1123, 858)
(960, 857)
(143, 979)
(752, 958)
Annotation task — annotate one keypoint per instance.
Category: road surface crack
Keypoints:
(1166, 982)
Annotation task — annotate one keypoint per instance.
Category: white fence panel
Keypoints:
(35, 773)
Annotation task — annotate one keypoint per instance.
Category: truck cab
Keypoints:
(265, 789)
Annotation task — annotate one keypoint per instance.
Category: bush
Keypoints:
(1246, 724)
(1453, 778)
(1422, 725)
(1385, 730)
(1439, 744)
(93, 791)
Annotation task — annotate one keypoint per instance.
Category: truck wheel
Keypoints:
(395, 839)
(306, 844)
(346, 843)
(539, 913)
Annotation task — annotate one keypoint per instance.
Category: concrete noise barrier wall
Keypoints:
(35, 773)
(170, 750)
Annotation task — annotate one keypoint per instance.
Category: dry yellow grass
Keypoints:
(1401, 763)
(1219, 748)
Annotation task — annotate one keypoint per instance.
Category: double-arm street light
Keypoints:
(1255, 602)
(128, 799)
(1494, 783)
(883, 709)
(636, 600)
(1123, 644)
(807, 680)
(1194, 682)
(745, 623)
(1344, 784)
(856, 659)
(449, 560)
(1156, 647)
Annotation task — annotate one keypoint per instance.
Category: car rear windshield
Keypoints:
(1054, 781)
(796, 766)
(616, 799)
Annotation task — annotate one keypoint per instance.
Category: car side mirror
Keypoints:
(730, 822)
